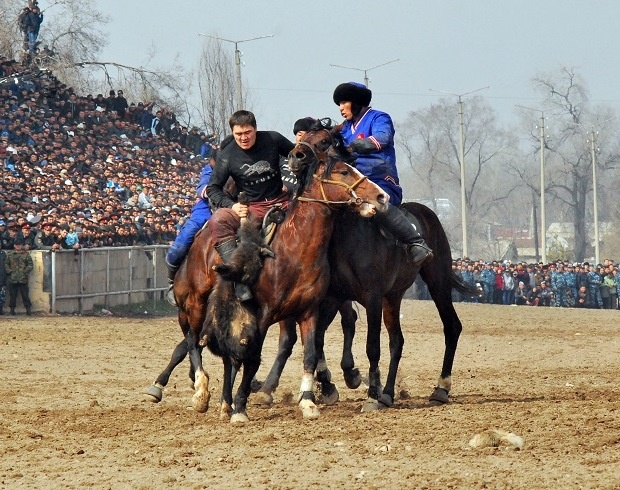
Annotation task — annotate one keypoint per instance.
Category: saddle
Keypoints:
(272, 219)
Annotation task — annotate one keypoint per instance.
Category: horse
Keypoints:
(377, 275)
(290, 286)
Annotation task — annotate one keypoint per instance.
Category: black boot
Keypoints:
(29, 310)
(172, 272)
(225, 250)
(399, 226)
(12, 311)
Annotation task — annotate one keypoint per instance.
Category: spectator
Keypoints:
(18, 265)
(2, 281)
(521, 294)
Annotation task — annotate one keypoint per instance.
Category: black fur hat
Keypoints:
(303, 124)
(354, 92)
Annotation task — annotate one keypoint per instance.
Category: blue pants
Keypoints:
(488, 292)
(595, 297)
(178, 250)
(32, 39)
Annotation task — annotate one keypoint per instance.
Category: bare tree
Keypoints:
(570, 171)
(217, 87)
(430, 140)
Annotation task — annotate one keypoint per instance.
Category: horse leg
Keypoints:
(373, 351)
(288, 338)
(391, 317)
(327, 313)
(200, 400)
(226, 400)
(452, 328)
(306, 397)
(154, 392)
(239, 412)
(351, 374)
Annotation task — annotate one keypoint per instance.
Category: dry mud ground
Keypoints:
(72, 414)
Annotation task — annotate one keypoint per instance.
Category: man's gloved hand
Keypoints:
(362, 146)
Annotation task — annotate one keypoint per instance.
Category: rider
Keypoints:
(199, 215)
(252, 159)
(370, 135)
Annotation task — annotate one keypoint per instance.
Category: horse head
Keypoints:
(324, 176)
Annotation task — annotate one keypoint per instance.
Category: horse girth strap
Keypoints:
(355, 199)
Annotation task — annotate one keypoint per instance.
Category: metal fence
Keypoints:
(78, 280)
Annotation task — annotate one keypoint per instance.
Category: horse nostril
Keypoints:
(299, 155)
(383, 198)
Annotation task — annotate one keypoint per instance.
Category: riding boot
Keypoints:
(172, 272)
(225, 250)
(399, 226)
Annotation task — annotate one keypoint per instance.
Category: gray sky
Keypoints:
(452, 45)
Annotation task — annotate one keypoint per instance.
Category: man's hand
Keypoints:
(240, 209)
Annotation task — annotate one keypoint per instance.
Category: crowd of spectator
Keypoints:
(91, 171)
(558, 283)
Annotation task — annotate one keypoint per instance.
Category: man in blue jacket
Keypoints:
(369, 134)
(199, 215)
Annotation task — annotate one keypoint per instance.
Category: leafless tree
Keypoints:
(217, 87)
(430, 140)
(570, 170)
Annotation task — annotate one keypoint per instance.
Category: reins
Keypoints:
(354, 201)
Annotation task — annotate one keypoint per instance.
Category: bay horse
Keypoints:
(372, 268)
(290, 286)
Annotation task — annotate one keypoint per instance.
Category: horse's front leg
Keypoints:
(329, 392)
(154, 392)
(200, 400)
(226, 400)
(373, 352)
(351, 374)
(288, 338)
(391, 317)
(239, 412)
(307, 400)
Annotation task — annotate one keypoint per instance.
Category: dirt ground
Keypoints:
(72, 414)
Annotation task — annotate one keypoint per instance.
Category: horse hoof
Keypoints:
(262, 398)
(438, 397)
(309, 410)
(255, 385)
(371, 405)
(385, 401)
(239, 418)
(225, 411)
(154, 393)
(200, 401)
(353, 380)
(331, 398)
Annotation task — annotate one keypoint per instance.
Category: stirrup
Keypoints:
(170, 296)
(419, 253)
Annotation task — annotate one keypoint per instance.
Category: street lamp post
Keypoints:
(366, 70)
(237, 61)
(462, 162)
(543, 214)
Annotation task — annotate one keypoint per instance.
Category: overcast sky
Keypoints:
(452, 45)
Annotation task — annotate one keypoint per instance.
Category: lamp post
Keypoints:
(365, 70)
(237, 61)
(543, 215)
(462, 162)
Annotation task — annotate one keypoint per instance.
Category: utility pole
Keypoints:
(366, 70)
(543, 214)
(597, 255)
(237, 62)
(462, 162)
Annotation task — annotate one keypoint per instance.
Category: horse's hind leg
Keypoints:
(288, 338)
(373, 351)
(154, 392)
(452, 328)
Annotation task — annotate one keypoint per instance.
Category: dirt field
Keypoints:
(72, 414)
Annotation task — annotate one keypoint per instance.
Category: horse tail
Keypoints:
(462, 287)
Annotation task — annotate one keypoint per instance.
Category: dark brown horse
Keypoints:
(370, 267)
(290, 286)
